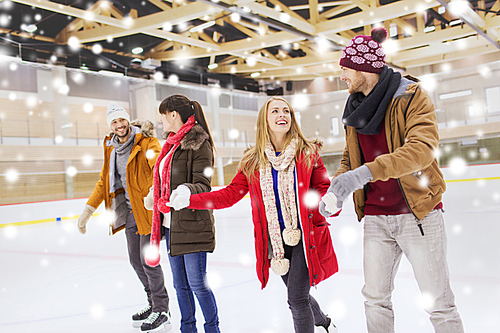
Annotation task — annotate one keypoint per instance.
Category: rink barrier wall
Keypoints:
(47, 209)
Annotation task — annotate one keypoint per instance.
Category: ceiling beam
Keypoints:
(380, 14)
(232, 47)
(469, 17)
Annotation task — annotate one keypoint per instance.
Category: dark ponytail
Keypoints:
(186, 108)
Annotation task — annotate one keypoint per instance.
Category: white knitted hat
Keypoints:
(115, 111)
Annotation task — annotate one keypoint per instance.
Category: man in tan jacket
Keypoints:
(389, 163)
(130, 154)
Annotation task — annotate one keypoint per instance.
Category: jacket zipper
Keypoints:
(262, 234)
(419, 223)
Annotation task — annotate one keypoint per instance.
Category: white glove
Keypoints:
(330, 201)
(179, 198)
(149, 199)
(84, 218)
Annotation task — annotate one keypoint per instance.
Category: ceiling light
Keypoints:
(455, 22)
(202, 26)
(30, 28)
(167, 27)
(213, 66)
(429, 29)
(137, 50)
(256, 74)
(235, 17)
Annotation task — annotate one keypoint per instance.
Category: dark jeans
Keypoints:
(151, 277)
(189, 273)
(306, 312)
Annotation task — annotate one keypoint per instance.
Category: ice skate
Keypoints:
(157, 322)
(139, 317)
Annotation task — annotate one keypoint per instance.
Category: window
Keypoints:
(335, 126)
(493, 99)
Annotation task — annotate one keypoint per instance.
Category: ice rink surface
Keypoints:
(53, 279)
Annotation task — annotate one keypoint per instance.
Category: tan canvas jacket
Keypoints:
(412, 138)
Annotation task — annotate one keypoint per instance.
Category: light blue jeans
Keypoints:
(386, 238)
(189, 272)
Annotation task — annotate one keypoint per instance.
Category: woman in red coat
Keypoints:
(286, 179)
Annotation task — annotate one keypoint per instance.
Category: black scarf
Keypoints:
(366, 114)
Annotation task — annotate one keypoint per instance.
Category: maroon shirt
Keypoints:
(382, 197)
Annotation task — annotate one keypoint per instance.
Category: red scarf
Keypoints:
(162, 187)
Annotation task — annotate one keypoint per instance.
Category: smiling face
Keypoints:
(355, 80)
(121, 128)
(279, 118)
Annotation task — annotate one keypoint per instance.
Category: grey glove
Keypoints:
(348, 182)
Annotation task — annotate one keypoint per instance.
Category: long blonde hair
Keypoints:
(255, 156)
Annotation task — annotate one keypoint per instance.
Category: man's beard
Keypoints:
(124, 135)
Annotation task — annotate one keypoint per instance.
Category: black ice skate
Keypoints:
(330, 326)
(139, 317)
(157, 322)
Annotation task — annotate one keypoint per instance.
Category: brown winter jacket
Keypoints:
(139, 179)
(412, 139)
(192, 230)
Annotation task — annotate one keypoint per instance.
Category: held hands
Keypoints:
(344, 184)
(179, 198)
(149, 199)
(328, 205)
(84, 218)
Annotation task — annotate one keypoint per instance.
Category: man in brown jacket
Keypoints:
(130, 154)
(389, 163)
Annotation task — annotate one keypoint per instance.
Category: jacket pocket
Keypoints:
(194, 220)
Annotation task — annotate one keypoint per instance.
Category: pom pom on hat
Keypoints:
(115, 111)
(365, 53)
(379, 34)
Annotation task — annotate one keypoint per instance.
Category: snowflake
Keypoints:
(380, 52)
(362, 48)
(378, 64)
(373, 44)
(350, 51)
(311, 199)
(358, 60)
(359, 40)
(370, 56)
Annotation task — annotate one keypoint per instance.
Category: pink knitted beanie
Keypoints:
(365, 53)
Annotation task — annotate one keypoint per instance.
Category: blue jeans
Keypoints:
(189, 273)
(386, 238)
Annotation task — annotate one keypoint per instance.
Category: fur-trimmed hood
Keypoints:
(193, 139)
(147, 128)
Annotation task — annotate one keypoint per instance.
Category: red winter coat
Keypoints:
(321, 259)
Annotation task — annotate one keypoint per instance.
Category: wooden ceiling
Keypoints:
(269, 40)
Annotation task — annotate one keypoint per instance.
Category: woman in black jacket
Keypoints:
(185, 163)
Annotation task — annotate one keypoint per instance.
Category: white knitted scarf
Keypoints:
(285, 165)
